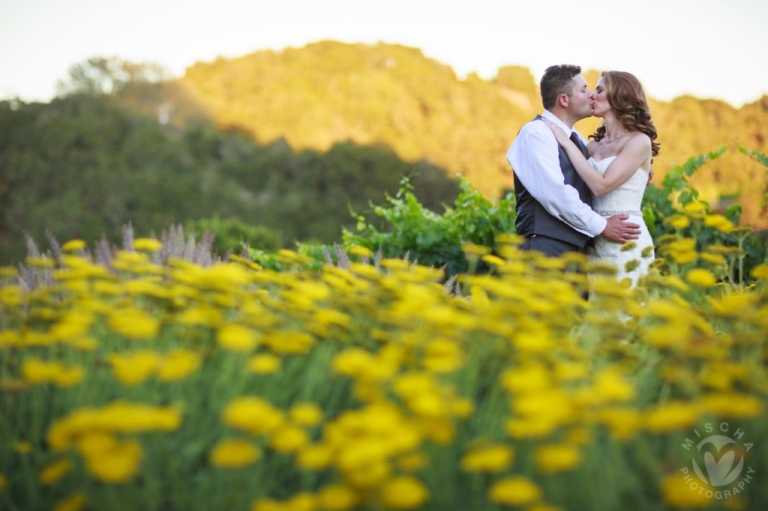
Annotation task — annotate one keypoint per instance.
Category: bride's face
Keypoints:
(600, 105)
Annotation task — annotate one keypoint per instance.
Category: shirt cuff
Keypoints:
(596, 225)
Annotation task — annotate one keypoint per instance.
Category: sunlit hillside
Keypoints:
(395, 96)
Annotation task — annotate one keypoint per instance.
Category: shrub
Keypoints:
(435, 239)
(232, 234)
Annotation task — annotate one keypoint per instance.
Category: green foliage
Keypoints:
(88, 163)
(232, 234)
(763, 159)
(661, 205)
(676, 190)
(101, 75)
(435, 239)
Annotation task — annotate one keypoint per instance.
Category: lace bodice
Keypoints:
(627, 198)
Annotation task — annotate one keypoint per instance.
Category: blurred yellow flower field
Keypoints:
(150, 386)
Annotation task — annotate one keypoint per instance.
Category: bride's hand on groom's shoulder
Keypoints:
(560, 135)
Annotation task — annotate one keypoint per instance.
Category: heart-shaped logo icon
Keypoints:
(721, 466)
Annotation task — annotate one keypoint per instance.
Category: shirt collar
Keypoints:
(552, 117)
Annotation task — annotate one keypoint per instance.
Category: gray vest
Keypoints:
(532, 218)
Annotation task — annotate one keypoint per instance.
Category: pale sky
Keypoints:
(707, 48)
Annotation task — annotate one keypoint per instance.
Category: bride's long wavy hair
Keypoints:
(627, 99)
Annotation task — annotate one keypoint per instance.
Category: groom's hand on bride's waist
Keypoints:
(620, 231)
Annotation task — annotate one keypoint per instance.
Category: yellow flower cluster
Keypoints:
(374, 387)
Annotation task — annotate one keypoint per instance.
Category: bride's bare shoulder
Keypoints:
(640, 138)
(638, 143)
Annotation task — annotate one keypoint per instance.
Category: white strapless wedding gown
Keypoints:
(626, 199)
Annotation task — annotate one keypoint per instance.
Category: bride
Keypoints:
(617, 171)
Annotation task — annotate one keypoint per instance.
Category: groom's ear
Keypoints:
(563, 100)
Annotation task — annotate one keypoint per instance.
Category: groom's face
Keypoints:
(580, 103)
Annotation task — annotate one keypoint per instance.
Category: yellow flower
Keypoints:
(3, 482)
(74, 502)
(352, 362)
(118, 464)
(84, 344)
(237, 338)
(678, 492)
(264, 364)
(360, 251)
(22, 447)
(73, 246)
(136, 417)
(54, 472)
(315, 457)
(732, 405)
(610, 385)
(488, 458)
(719, 222)
(134, 324)
(234, 453)
(337, 497)
(462, 407)
(701, 277)
(494, 260)
(289, 439)
(147, 244)
(472, 249)
(290, 342)
(329, 317)
(178, 364)
(302, 501)
(695, 209)
(412, 462)
(428, 404)
(509, 238)
(524, 379)
(622, 423)
(286, 256)
(306, 414)
(403, 492)
(671, 416)
(554, 458)
(39, 262)
(716, 259)
(8, 271)
(515, 491)
(760, 271)
(684, 256)
(368, 475)
(571, 371)
(93, 445)
(200, 316)
(133, 368)
(677, 221)
(253, 414)
(443, 356)
(40, 371)
(264, 504)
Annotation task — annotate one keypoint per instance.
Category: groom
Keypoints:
(554, 205)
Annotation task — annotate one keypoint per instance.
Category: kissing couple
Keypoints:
(579, 196)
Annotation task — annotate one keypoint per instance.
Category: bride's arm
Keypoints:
(631, 158)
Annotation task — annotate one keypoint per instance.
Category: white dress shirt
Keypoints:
(534, 157)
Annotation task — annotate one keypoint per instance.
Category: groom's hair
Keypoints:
(556, 81)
